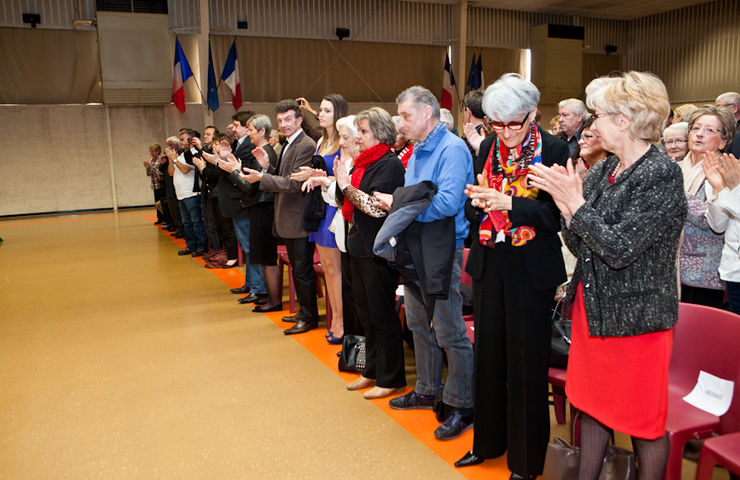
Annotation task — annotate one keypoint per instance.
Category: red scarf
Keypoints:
(363, 160)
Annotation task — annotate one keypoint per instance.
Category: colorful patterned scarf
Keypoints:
(363, 160)
(511, 166)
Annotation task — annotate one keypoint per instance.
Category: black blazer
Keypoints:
(543, 259)
(229, 196)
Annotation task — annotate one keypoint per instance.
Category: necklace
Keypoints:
(613, 174)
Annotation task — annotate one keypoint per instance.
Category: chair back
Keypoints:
(707, 339)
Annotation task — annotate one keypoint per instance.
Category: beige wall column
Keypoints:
(205, 30)
(556, 65)
(459, 52)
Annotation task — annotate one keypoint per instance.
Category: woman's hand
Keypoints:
(224, 150)
(303, 103)
(340, 173)
(712, 170)
(306, 173)
(385, 200)
(230, 164)
(250, 175)
(730, 170)
(147, 164)
(581, 168)
(210, 157)
(562, 183)
(200, 163)
(314, 182)
(261, 156)
(488, 199)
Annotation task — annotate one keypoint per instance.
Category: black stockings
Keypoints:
(652, 455)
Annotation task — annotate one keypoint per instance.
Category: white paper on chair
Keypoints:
(711, 394)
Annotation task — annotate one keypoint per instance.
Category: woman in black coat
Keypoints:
(516, 265)
(376, 169)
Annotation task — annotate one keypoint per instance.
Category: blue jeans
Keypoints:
(192, 223)
(446, 333)
(733, 295)
(253, 276)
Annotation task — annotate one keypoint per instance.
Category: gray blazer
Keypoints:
(626, 237)
(288, 195)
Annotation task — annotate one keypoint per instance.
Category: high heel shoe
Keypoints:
(334, 340)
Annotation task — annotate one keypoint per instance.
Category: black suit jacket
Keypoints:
(229, 196)
(543, 258)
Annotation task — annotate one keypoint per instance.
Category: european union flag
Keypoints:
(212, 86)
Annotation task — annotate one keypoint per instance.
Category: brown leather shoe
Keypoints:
(292, 318)
(301, 327)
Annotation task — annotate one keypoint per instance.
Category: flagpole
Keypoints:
(218, 84)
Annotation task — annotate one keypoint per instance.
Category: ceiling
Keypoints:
(608, 9)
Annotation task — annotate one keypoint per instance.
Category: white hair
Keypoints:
(446, 117)
(681, 127)
(576, 106)
(510, 98)
(349, 123)
(729, 97)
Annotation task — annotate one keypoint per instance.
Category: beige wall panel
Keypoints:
(133, 129)
(64, 166)
(35, 73)
(597, 66)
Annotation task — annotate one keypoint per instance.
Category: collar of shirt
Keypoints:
(240, 141)
(290, 139)
(422, 144)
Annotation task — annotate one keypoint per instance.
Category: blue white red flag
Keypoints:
(230, 77)
(180, 73)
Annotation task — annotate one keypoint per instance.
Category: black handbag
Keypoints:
(562, 462)
(560, 342)
(353, 355)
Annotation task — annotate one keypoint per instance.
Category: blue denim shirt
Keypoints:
(444, 159)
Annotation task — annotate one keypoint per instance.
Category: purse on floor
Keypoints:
(560, 342)
(353, 355)
(562, 462)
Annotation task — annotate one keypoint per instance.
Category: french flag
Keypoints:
(448, 81)
(180, 73)
(230, 77)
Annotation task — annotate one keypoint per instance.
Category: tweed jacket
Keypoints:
(288, 195)
(626, 237)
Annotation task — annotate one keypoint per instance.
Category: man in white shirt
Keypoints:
(187, 189)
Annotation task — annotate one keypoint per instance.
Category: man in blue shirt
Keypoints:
(444, 159)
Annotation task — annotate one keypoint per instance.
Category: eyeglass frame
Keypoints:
(710, 130)
(597, 116)
(513, 126)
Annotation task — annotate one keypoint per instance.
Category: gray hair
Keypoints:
(259, 122)
(730, 97)
(347, 122)
(446, 117)
(421, 97)
(576, 106)
(681, 127)
(172, 140)
(510, 97)
(380, 124)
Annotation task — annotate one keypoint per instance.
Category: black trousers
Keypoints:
(209, 222)
(374, 292)
(512, 349)
(702, 296)
(172, 204)
(300, 254)
(351, 322)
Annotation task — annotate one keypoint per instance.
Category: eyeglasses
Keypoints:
(676, 141)
(587, 137)
(513, 126)
(597, 116)
(707, 130)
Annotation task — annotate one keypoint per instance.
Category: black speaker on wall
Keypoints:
(342, 33)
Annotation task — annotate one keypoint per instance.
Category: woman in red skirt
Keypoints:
(624, 223)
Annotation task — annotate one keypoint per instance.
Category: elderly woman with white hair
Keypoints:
(623, 222)
(676, 140)
(516, 265)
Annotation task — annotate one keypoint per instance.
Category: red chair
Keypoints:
(322, 292)
(724, 451)
(556, 378)
(283, 261)
(705, 339)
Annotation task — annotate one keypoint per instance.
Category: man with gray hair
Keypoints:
(442, 158)
(731, 101)
(572, 113)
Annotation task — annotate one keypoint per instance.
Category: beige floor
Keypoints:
(119, 359)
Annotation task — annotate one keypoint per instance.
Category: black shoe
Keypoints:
(198, 253)
(184, 251)
(170, 228)
(248, 299)
(514, 476)
(458, 420)
(412, 400)
(261, 309)
(468, 460)
(241, 290)
(226, 265)
(157, 223)
(292, 318)
(178, 235)
(301, 327)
